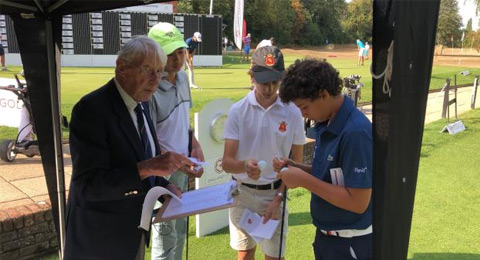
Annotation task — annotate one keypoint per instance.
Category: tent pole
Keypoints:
(57, 130)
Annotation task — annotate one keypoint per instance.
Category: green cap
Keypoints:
(168, 36)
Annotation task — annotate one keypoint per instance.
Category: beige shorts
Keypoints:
(256, 201)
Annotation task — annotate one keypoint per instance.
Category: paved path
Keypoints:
(22, 182)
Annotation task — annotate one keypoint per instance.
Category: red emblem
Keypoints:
(282, 127)
(269, 60)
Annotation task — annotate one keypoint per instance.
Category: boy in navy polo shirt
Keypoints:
(340, 177)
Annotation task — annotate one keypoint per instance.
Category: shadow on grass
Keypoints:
(445, 256)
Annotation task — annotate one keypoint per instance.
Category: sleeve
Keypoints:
(356, 160)
(299, 135)
(97, 174)
(231, 130)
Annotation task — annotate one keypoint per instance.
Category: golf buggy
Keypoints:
(10, 148)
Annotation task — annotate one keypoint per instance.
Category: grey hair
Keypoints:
(140, 47)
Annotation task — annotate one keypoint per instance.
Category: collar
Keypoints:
(165, 85)
(127, 99)
(338, 122)
(252, 100)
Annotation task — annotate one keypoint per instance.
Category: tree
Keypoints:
(300, 21)
(358, 20)
(468, 28)
(323, 21)
(449, 23)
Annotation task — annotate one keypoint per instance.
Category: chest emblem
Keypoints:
(330, 158)
(282, 127)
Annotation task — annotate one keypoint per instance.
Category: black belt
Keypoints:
(271, 186)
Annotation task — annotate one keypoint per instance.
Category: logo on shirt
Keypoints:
(218, 165)
(360, 170)
(282, 127)
(330, 158)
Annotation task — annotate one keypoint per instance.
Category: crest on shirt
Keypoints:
(282, 127)
(269, 60)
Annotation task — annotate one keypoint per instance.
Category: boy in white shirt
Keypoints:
(261, 128)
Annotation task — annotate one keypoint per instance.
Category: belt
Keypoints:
(271, 186)
(347, 233)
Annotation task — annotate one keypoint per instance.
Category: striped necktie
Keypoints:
(144, 137)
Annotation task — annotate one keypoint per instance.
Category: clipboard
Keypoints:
(199, 201)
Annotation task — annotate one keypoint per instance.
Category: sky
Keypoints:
(467, 11)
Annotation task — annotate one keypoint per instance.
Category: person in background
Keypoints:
(247, 40)
(265, 42)
(367, 48)
(261, 128)
(340, 178)
(360, 49)
(170, 108)
(116, 159)
(2, 55)
(192, 44)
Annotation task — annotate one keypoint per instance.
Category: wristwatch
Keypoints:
(279, 194)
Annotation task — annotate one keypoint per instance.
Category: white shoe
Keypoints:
(194, 86)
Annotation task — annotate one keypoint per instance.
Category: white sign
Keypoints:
(454, 128)
(10, 105)
(209, 123)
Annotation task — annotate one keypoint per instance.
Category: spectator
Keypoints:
(367, 48)
(2, 55)
(192, 44)
(360, 49)
(246, 47)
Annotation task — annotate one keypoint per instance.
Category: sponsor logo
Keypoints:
(360, 170)
(330, 158)
(218, 165)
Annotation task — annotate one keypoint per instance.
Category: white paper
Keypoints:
(198, 163)
(201, 199)
(252, 223)
(337, 177)
(149, 202)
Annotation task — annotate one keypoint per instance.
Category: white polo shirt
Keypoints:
(170, 108)
(263, 133)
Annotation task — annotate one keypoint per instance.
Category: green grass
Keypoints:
(229, 81)
(445, 220)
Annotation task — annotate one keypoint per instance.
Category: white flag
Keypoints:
(238, 23)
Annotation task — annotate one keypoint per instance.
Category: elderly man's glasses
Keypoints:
(147, 71)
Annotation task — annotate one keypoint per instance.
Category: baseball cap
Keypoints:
(168, 36)
(198, 36)
(267, 64)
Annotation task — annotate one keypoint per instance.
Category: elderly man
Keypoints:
(116, 159)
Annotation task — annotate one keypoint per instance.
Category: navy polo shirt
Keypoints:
(192, 45)
(345, 143)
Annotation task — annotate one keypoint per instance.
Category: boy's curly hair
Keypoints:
(306, 78)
